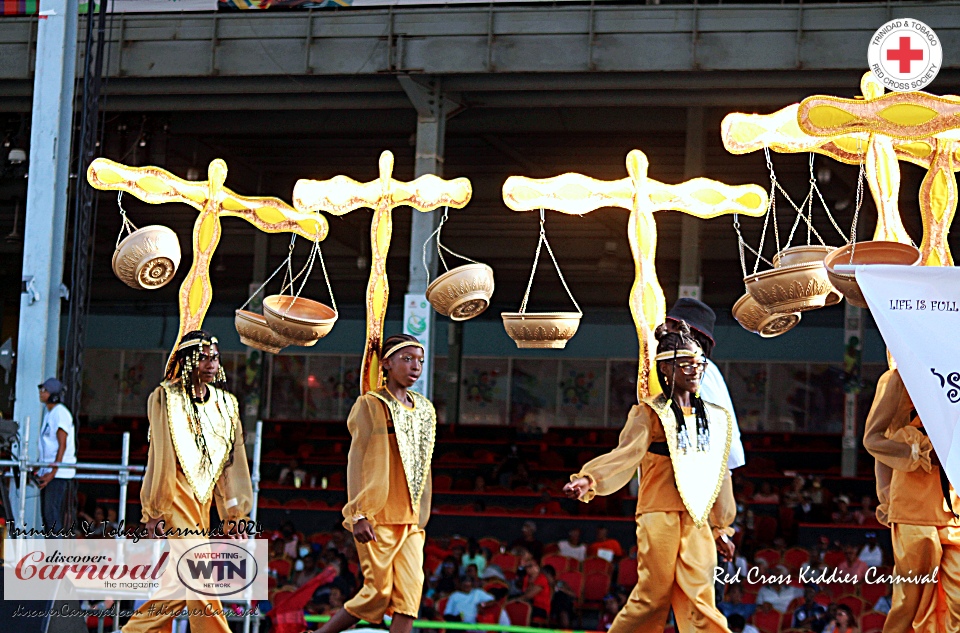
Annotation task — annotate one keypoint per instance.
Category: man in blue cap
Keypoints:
(56, 446)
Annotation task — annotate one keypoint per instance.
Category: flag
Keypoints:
(917, 309)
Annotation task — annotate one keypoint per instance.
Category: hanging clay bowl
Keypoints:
(254, 332)
(303, 321)
(791, 289)
(801, 255)
(147, 259)
(755, 318)
(462, 293)
(541, 330)
(866, 253)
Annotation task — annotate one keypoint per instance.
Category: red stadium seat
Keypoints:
(772, 556)
(597, 565)
(796, 557)
(595, 587)
(627, 575)
(855, 603)
(872, 621)
(518, 612)
(872, 592)
(767, 621)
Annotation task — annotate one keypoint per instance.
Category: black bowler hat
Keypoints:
(697, 314)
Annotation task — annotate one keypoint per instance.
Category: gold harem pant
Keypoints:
(157, 615)
(392, 569)
(675, 563)
(917, 551)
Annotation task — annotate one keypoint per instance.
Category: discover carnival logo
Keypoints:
(37, 569)
(905, 55)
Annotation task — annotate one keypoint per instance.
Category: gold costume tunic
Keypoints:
(179, 485)
(675, 556)
(925, 534)
(389, 484)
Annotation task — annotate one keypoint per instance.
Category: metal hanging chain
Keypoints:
(283, 264)
(774, 185)
(127, 225)
(536, 259)
(816, 188)
(308, 266)
(443, 219)
(856, 207)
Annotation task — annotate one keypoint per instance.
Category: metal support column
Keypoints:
(433, 109)
(38, 336)
(253, 385)
(693, 166)
(852, 365)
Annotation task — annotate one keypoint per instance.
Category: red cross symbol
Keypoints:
(905, 55)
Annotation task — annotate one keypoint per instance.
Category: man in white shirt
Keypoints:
(572, 547)
(778, 594)
(871, 553)
(466, 600)
(56, 445)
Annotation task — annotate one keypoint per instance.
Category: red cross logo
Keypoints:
(905, 55)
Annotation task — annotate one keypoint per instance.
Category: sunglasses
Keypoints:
(691, 368)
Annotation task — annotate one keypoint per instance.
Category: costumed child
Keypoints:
(920, 506)
(196, 455)
(685, 502)
(389, 491)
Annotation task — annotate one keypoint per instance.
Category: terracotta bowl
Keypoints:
(462, 293)
(866, 253)
(542, 330)
(801, 255)
(755, 318)
(791, 289)
(301, 320)
(254, 332)
(147, 259)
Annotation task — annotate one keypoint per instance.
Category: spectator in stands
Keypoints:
(448, 573)
(479, 484)
(572, 547)
(548, 505)
(93, 526)
(470, 571)
(292, 474)
(810, 615)
(528, 541)
(473, 556)
(820, 549)
(793, 495)
(842, 622)
(777, 592)
(611, 606)
(851, 565)
(563, 600)
(504, 471)
(843, 513)
(304, 569)
(871, 554)
(733, 604)
(291, 542)
(536, 589)
(866, 514)
(520, 478)
(463, 603)
(609, 546)
(738, 624)
(883, 603)
(766, 494)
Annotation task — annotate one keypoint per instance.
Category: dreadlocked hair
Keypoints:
(186, 360)
(668, 341)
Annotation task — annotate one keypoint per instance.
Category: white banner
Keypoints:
(917, 309)
(417, 318)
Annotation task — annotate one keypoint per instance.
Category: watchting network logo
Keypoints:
(217, 568)
(905, 55)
